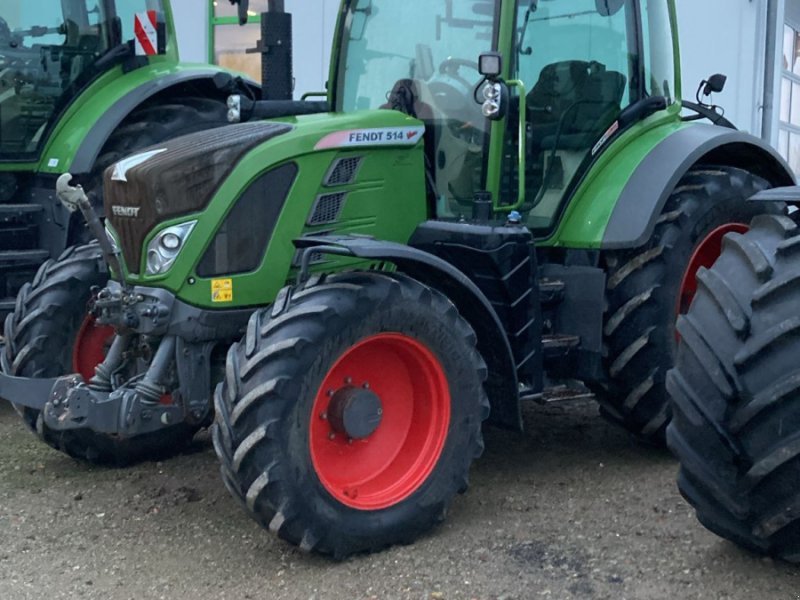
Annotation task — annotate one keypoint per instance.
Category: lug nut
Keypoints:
(331, 435)
(348, 380)
(366, 385)
(324, 416)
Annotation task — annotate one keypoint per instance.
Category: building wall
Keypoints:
(191, 23)
(726, 36)
(313, 28)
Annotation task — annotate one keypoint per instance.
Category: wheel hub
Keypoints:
(355, 412)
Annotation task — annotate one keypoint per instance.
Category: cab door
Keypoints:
(580, 65)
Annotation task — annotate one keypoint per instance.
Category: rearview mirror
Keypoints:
(608, 8)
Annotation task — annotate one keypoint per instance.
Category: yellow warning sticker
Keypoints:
(222, 290)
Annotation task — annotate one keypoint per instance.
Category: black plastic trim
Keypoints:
(636, 212)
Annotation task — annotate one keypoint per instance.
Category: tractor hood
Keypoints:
(175, 178)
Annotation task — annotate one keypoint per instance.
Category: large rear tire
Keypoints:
(736, 392)
(648, 287)
(349, 421)
(50, 334)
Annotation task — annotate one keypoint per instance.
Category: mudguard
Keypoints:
(647, 191)
(89, 149)
(502, 385)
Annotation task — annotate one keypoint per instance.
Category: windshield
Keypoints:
(420, 56)
(48, 51)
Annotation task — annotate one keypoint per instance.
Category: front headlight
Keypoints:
(165, 247)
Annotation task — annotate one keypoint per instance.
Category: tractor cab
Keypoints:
(50, 50)
(575, 69)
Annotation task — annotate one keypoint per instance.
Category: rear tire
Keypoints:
(644, 293)
(41, 336)
(736, 392)
(272, 426)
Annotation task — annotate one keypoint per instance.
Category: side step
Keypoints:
(559, 345)
(551, 291)
(23, 258)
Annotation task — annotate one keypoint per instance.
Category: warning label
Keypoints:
(145, 29)
(222, 290)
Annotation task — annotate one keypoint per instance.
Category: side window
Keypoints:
(576, 63)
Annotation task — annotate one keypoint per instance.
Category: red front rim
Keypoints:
(395, 460)
(90, 347)
(705, 254)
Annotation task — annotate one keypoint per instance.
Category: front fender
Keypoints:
(80, 135)
(502, 385)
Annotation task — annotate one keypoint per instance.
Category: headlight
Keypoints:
(165, 247)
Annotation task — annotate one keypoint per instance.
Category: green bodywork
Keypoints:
(387, 201)
(390, 198)
(100, 96)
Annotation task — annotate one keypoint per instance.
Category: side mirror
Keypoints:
(715, 84)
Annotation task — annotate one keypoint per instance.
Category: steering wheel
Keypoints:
(450, 67)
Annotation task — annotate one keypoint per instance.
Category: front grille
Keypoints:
(327, 209)
(181, 179)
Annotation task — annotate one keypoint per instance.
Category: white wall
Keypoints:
(726, 36)
(313, 25)
(313, 29)
(191, 22)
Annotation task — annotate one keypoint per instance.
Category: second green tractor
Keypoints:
(497, 202)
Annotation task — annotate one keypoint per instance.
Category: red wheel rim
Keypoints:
(90, 347)
(391, 463)
(705, 254)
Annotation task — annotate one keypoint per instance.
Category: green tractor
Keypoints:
(498, 202)
(82, 84)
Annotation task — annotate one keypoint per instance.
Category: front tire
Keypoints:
(50, 334)
(736, 392)
(389, 474)
(649, 287)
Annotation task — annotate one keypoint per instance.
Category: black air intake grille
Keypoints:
(343, 171)
(241, 241)
(327, 209)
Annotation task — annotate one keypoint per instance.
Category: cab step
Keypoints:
(22, 258)
(15, 211)
(551, 291)
(559, 345)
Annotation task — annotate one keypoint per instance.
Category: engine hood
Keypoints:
(175, 178)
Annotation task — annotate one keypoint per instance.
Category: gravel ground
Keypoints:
(570, 509)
